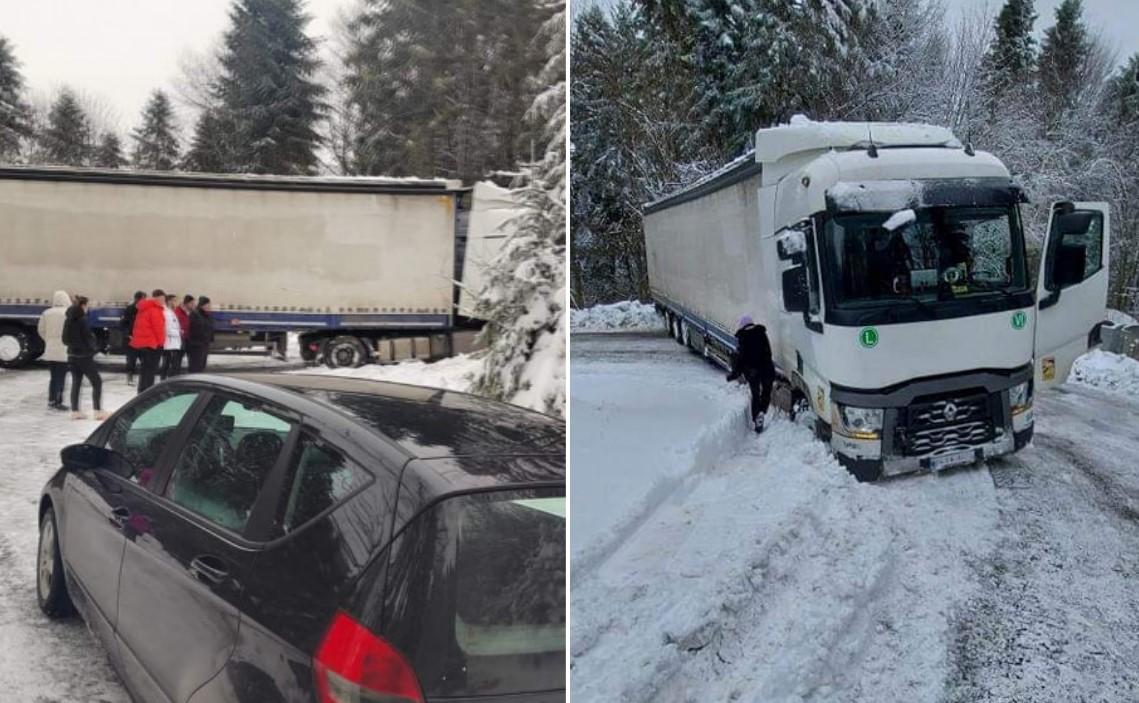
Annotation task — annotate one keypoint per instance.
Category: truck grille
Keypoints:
(945, 421)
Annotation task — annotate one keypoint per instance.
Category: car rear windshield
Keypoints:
(477, 594)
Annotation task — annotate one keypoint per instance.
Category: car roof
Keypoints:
(463, 439)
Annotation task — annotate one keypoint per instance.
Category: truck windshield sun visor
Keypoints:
(895, 195)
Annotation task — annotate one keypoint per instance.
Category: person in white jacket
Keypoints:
(50, 328)
(172, 349)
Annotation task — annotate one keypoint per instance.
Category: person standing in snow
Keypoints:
(129, 315)
(172, 348)
(182, 312)
(148, 336)
(81, 349)
(50, 328)
(753, 362)
(201, 335)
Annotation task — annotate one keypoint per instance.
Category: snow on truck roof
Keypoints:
(238, 181)
(802, 135)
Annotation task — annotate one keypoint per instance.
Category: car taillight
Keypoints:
(353, 665)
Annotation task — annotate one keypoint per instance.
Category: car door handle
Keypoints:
(208, 568)
(119, 516)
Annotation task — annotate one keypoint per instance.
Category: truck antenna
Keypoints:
(872, 150)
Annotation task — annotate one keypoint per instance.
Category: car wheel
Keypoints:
(345, 352)
(51, 588)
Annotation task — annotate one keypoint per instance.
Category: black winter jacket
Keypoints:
(201, 329)
(77, 335)
(753, 355)
(128, 320)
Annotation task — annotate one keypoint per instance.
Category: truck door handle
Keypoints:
(208, 568)
(119, 516)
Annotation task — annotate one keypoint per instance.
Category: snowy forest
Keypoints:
(434, 88)
(664, 91)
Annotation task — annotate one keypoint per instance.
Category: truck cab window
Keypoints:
(936, 254)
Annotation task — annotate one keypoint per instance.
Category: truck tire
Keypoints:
(677, 334)
(17, 347)
(345, 352)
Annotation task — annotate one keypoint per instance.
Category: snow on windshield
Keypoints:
(879, 196)
(900, 219)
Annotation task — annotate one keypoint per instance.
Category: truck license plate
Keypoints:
(938, 463)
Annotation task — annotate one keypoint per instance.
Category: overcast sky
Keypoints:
(1119, 19)
(120, 50)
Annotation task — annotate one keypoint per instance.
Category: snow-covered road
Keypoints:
(756, 569)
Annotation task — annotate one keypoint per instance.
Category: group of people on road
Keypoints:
(157, 331)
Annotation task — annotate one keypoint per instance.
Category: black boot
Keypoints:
(759, 424)
(130, 379)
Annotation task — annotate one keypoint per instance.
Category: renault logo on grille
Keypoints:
(950, 411)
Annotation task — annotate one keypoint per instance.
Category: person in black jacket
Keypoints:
(128, 328)
(753, 362)
(201, 334)
(81, 349)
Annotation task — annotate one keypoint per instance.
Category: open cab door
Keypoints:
(1071, 291)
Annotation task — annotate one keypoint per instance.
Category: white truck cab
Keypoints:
(888, 264)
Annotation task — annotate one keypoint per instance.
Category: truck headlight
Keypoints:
(857, 423)
(1020, 398)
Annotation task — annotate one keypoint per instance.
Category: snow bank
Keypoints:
(626, 316)
(1120, 318)
(454, 374)
(1107, 371)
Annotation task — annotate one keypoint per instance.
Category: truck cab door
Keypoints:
(1071, 291)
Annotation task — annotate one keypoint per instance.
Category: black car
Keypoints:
(314, 538)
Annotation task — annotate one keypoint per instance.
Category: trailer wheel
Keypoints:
(677, 333)
(345, 352)
(17, 347)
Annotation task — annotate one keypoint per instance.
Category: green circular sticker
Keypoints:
(868, 337)
(1019, 320)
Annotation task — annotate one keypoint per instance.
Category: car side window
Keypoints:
(141, 433)
(320, 476)
(230, 452)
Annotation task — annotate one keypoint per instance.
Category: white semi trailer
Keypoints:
(888, 264)
(354, 265)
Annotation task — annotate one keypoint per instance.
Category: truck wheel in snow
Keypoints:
(51, 589)
(345, 352)
(676, 331)
(16, 347)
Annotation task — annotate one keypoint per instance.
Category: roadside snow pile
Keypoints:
(1107, 371)
(1120, 318)
(626, 316)
(454, 374)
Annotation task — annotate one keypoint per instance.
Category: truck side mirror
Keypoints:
(795, 296)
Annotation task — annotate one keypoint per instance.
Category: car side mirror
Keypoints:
(795, 289)
(88, 457)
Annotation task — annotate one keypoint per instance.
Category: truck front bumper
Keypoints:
(919, 435)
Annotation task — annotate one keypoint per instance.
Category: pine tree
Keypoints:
(268, 91)
(441, 87)
(523, 301)
(212, 147)
(14, 111)
(155, 143)
(1012, 57)
(1124, 93)
(109, 152)
(67, 138)
(1064, 55)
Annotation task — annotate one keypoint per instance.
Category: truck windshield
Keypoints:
(928, 255)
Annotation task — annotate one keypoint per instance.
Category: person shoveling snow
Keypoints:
(753, 362)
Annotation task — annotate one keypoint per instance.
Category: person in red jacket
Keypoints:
(182, 312)
(148, 336)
